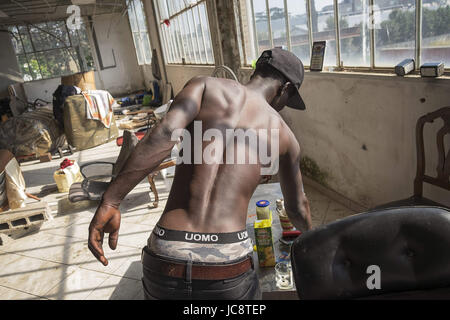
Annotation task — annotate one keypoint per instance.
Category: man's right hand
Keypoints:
(105, 220)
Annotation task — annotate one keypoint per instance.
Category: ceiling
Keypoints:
(20, 11)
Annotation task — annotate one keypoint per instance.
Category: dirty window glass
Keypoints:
(371, 34)
(138, 25)
(51, 49)
(395, 31)
(298, 24)
(184, 30)
(436, 33)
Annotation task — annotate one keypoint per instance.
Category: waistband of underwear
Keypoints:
(199, 237)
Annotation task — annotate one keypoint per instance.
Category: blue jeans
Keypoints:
(162, 287)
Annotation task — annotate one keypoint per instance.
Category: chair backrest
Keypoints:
(167, 93)
(443, 169)
(221, 71)
(410, 246)
(19, 100)
(129, 143)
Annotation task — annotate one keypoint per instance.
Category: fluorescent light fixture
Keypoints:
(3, 15)
(81, 2)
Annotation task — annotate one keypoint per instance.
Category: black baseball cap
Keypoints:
(291, 67)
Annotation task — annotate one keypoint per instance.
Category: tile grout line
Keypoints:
(75, 265)
(110, 276)
(62, 280)
(86, 298)
(59, 283)
(31, 294)
(326, 212)
(82, 240)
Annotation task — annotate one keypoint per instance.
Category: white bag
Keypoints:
(64, 178)
(15, 185)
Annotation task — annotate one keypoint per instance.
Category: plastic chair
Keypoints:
(219, 72)
(98, 175)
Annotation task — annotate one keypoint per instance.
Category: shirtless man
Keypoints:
(199, 248)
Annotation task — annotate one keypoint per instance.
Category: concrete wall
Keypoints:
(9, 69)
(360, 131)
(178, 75)
(41, 89)
(127, 76)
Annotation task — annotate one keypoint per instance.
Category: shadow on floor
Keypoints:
(126, 289)
(66, 207)
(132, 200)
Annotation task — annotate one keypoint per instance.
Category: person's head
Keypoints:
(287, 72)
(285, 89)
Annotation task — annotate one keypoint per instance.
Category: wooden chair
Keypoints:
(442, 179)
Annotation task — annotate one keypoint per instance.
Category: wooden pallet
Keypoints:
(19, 219)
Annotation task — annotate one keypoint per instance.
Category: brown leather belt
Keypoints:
(198, 271)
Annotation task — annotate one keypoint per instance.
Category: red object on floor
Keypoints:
(66, 163)
(139, 135)
(291, 234)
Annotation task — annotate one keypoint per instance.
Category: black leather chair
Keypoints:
(410, 245)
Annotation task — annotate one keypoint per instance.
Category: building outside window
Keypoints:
(371, 33)
(138, 24)
(184, 30)
(50, 49)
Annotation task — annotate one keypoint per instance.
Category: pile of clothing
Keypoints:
(59, 97)
(99, 106)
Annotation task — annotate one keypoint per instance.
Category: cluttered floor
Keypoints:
(54, 262)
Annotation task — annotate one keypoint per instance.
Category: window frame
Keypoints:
(180, 51)
(337, 66)
(28, 56)
(139, 48)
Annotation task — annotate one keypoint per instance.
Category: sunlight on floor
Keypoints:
(55, 262)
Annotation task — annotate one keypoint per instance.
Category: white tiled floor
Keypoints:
(55, 263)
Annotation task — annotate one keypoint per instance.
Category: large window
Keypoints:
(354, 33)
(435, 33)
(184, 31)
(370, 33)
(50, 49)
(395, 31)
(138, 24)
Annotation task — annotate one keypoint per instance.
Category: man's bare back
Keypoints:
(209, 197)
(215, 197)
